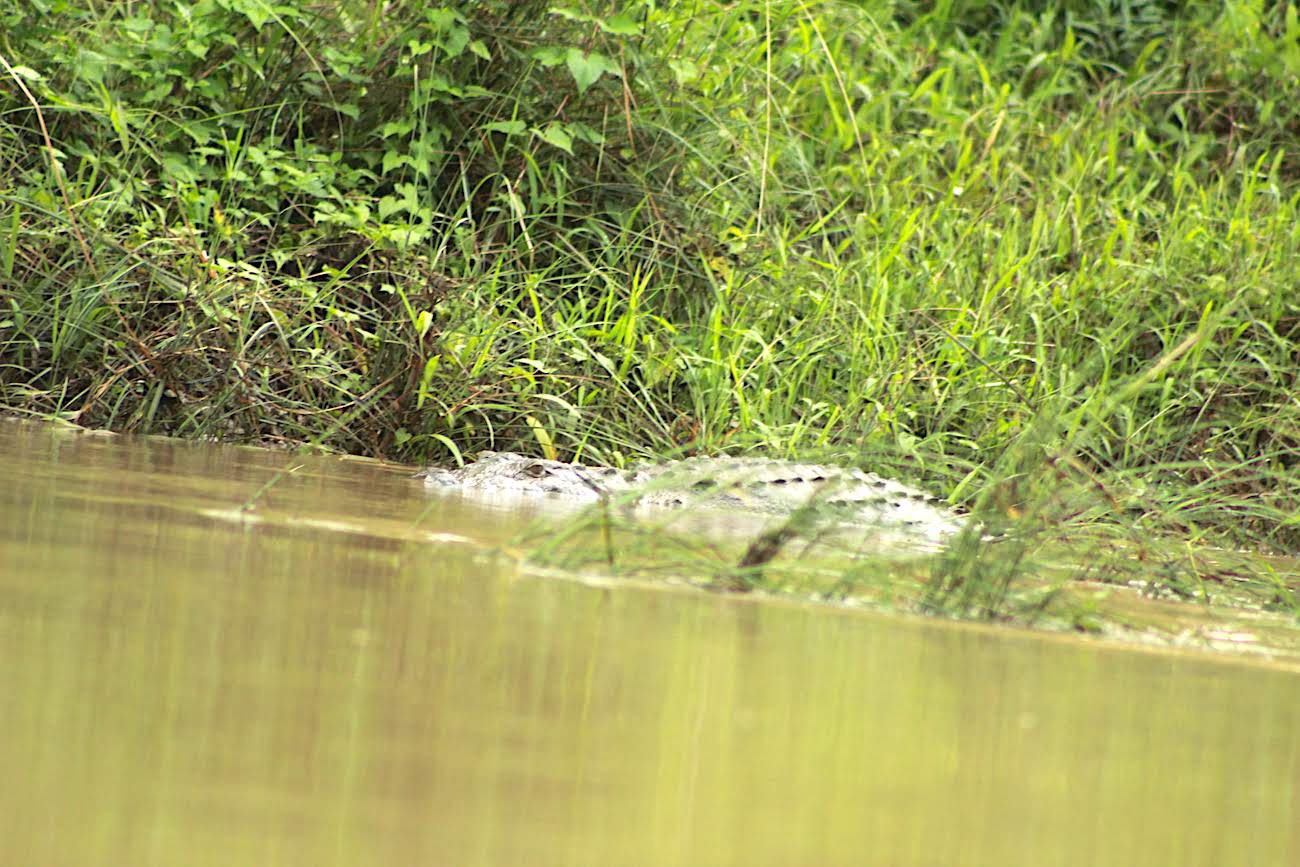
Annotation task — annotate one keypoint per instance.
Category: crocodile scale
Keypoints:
(754, 485)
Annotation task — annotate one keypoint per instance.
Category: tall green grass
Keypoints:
(1042, 257)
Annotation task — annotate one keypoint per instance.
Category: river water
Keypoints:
(220, 655)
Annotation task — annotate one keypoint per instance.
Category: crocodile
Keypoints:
(732, 484)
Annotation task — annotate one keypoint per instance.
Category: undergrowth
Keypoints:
(1042, 257)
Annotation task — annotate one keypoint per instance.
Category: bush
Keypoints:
(233, 218)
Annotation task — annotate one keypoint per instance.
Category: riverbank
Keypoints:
(182, 490)
(1043, 265)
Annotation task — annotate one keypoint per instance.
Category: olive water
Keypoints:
(223, 656)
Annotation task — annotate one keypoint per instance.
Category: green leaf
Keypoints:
(442, 84)
(684, 71)
(395, 127)
(410, 197)
(90, 65)
(392, 160)
(179, 169)
(557, 134)
(390, 205)
(549, 55)
(137, 24)
(586, 133)
(426, 377)
(8, 250)
(455, 42)
(586, 69)
(443, 19)
(256, 11)
(571, 14)
(118, 119)
(424, 151)
(201, 133)
(516, 204)
(509, 127)
(543, 437)
(621, 24)
(28, 73)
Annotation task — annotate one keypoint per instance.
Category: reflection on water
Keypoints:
(331, 687)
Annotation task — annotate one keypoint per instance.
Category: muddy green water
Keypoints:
(345, 675)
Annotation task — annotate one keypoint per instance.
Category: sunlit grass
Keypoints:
(1043, 264)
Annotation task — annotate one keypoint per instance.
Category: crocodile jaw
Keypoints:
(507, 472)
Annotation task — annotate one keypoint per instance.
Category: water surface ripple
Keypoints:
(342, 676)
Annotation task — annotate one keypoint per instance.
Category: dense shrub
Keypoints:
(249, 210)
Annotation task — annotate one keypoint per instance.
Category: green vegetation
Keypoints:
(1041, 257)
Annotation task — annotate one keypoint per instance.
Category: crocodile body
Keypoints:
(750, 485)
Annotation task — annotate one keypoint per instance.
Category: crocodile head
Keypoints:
(507, 471)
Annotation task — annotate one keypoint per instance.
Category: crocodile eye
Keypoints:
(535, 471)
(704, 485)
